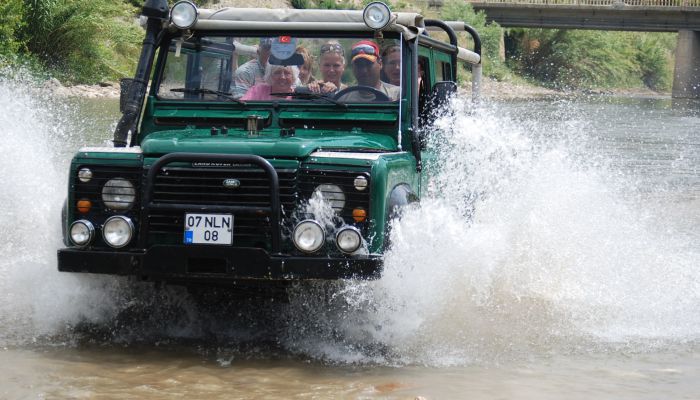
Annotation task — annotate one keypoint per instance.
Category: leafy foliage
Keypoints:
(11, 12)
(655, 60)
(300, 4)
(490, 34)
(573, 59)
(82, 40)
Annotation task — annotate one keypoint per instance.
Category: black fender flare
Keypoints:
(401, 195)
(64, 222)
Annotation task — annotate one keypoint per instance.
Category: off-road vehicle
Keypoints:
(205, 187)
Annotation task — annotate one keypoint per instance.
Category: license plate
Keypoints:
(209, 229)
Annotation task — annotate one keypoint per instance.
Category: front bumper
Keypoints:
(214, 265)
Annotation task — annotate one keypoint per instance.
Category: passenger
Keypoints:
(391, 69)
(332, 66)
(277, 79)
(367, 66)
(252, 71)
(306, 69)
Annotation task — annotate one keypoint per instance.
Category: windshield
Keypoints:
(282, 68)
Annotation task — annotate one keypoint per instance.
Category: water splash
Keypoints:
(527, 241)
(36, 300)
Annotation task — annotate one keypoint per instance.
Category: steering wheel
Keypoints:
(378, 96)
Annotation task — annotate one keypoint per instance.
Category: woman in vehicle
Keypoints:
(332, 66)
(277, 79)
(306, 69)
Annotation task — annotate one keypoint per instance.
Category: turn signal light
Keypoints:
(359, 214)
(84, 206)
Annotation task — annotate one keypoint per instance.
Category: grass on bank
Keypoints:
(78, 41)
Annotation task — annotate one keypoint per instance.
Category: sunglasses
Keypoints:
(332, 48)
(364, 49)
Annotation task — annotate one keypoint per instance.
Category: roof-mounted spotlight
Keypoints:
(184, 14)
(376, 15)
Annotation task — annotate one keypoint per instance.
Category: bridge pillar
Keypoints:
(686, 74)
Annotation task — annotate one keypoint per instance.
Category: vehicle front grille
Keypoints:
(205, 187)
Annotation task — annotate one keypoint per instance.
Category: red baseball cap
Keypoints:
(366, 49)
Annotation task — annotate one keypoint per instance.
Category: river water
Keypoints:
(555, 254)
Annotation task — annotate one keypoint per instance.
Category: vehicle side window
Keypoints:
(424, 86)
(443, 71)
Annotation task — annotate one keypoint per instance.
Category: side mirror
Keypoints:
(124, 86)
(441, 93)
(156, 9)
(432, 107)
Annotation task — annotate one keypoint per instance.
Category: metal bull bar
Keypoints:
(274, 209)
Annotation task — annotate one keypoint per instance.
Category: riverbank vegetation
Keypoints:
(77, 41)
(91, 41)
(578, 59)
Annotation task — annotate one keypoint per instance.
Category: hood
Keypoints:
(264, 145)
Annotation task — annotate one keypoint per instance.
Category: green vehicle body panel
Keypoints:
(265, 144)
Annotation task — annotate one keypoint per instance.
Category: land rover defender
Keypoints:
(208, 184)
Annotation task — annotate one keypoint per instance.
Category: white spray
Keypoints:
(525, 241)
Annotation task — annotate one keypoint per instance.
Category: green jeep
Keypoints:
(228, 166)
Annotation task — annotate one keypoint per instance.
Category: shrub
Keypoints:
(83, 40)
(11, 21)
(576, 59)
(655, 59)
(300, 4)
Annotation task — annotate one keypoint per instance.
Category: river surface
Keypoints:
(555, 254)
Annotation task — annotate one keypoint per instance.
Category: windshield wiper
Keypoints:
(311, 95)
(228, 96)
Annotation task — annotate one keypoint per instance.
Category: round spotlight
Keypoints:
(360, 183)
(85, 175)
(308, 236)
(348, 239)
(376, 15)
(332, 194)
(118, 194)
(81, 232)
(118, 231)
(184, 14)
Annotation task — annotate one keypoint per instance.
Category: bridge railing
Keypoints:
(642, 3)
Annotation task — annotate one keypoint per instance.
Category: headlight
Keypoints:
(360, 183)
(332, 194)
(348, 239)
(117, 231)
(118, 194)
(184, 14)
(308, 236)
(85, 175)
(376, 15)
(82, 232)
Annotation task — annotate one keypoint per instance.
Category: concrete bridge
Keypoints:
(682, 16)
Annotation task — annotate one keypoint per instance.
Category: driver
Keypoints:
(367, 68)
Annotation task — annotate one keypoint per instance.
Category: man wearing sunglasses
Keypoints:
(367, 68)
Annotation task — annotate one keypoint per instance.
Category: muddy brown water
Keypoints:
(555, 255)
